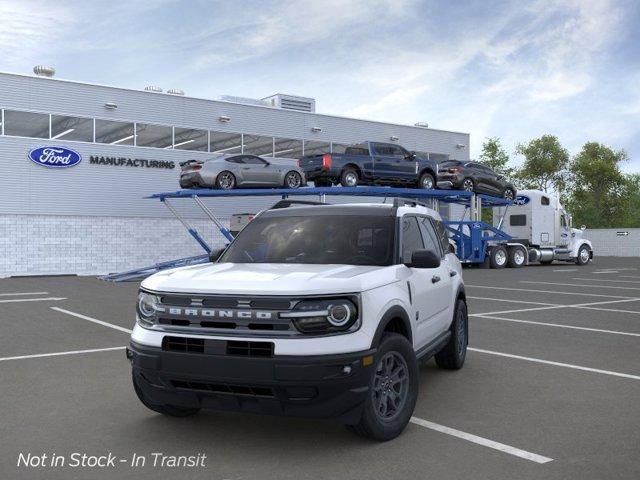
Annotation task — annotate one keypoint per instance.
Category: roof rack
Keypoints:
(288, 203)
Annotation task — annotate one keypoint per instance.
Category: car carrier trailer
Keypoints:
(475, 241)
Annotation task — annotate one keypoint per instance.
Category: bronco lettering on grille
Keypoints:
(215, 313)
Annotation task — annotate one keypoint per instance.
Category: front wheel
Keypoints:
(427, 182)
(393, 390)
(584, 255)
(452, 356)
(468, 185)
(293, 179)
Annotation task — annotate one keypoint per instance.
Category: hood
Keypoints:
(577, 232)
(271, 279)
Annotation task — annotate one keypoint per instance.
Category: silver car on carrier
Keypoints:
(233, 171)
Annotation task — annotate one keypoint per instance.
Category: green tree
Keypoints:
(495, 157)
(545, 164)
(600, 195)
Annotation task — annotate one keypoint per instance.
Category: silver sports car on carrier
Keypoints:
(233, 171)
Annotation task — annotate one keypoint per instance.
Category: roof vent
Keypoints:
(175, 91)
(422, 124)
(44, 71)
(291, 102)
(153, 88)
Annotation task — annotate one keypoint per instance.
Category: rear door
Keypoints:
(423, 284)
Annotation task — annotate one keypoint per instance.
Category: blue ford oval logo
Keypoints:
(55, 157)
(521, 200)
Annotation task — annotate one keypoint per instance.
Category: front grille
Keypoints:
(250, 390)
(217, 347)
(183, 344)
(227, 315)
(250, 349)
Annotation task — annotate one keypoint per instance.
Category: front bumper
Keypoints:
(321, 386)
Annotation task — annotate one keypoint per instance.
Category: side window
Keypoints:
(381, 149)
(442, 234)
(396, 151)
(411, 238)
(235, 159)
(431, 241)
(518, 220)
(544, 201)
(253, 160)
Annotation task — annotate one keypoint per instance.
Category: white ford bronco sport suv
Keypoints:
(313, 310)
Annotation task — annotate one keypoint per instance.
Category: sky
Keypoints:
(509, 69)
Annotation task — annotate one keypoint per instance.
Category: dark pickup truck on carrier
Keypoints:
(371, 163)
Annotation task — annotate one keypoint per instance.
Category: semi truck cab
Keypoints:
(538, 221)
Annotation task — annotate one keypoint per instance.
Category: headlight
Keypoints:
(146, 308)
(325, 316)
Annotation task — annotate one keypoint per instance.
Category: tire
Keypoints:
(498, 257)
(427, 182)
(517, 257)
(225, 180)
(452, 356)
(395, 351)
(170, 410)
(292, 180)
(468, 185)
(349, 177)
(509, 194)
(584, 255)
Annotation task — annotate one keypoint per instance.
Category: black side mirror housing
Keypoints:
(424, 259)
(214, 255)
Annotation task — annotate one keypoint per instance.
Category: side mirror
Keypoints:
(214, 255)
(424, 259)
(583, 227)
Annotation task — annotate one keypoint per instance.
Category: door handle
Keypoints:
(452, 273)
(435, 279)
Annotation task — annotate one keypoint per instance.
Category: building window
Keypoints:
(157, 136)
(190, 139)
(225, 143)
(26, 124)
(312, 147)
(114, 133)
(71, 128)
(287, 148)
(258, 145)
(338, 147)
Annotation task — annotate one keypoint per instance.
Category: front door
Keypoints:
(257, 171)
(427, 285)
(391, 164)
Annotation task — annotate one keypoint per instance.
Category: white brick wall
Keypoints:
(51, 245)
(613, 242)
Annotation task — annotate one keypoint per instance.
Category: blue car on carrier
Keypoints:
(371, 163)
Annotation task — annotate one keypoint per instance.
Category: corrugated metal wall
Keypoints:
(615, 242)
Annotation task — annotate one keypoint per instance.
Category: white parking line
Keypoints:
(580, 285)
(47, 299)
(530, 290)
(567, 270)
(23, 293)
(57, 354)
(554, 306)
(605, 280)
(89, 319)
(606, 271)
(485, 442)
(629, 276)
(511, 301)
(559, 325)
(556, 364)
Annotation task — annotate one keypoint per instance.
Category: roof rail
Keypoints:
(407, 202)
(288, 203)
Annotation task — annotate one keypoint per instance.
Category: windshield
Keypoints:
(318, 239)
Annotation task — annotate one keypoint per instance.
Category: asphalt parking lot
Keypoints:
(551, 389)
